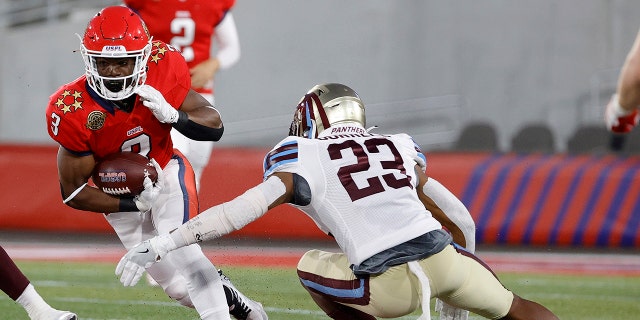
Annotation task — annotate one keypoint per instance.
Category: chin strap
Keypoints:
(372, 128)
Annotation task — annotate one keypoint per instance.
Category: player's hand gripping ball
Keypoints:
(122, 174)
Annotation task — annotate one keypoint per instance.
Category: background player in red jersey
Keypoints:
(191, 26)
(133, 93)
(18, 287)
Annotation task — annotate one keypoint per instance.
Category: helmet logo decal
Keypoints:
(69, 101)
(95, 120)
(114, 49)
(321, 112)
(311, 123)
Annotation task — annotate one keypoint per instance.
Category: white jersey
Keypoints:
(363, 187)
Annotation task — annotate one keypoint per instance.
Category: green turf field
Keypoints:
(94, 293)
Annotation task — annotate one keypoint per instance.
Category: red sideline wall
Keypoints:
(515, 199)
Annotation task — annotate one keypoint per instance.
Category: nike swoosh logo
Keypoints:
(144, 251)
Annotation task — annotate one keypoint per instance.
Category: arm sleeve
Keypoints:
(228, 42)
(454, 209)
(225, 218)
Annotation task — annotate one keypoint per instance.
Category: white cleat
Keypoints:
(57, 315)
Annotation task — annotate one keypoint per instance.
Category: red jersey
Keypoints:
(84, 123)
(187, 25)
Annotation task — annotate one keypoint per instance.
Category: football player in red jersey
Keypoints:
(133, 93)
(191, 26)
(18, 287)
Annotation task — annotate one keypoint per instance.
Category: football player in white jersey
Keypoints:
(370, 192)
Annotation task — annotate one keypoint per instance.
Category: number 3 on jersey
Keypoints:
(389, 159)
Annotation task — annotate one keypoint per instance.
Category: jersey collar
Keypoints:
(107, 105)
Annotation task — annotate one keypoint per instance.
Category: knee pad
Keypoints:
(177, 290)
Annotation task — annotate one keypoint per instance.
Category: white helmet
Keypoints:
(326, 105)
(116, 32)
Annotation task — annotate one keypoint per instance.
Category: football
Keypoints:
(122, 174)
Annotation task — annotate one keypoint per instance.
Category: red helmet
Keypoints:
(116, 32)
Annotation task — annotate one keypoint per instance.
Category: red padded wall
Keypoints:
(515, 199)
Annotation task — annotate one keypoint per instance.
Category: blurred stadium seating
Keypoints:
(590, 138)
(477, 136)
(536, 137)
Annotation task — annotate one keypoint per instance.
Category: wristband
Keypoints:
(127, 205)
(183, 118)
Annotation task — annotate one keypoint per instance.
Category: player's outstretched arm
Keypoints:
(212, 223)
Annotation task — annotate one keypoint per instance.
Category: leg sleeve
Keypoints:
(12, 280)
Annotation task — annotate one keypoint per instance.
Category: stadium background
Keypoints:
(428, 68)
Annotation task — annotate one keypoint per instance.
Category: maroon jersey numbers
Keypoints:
(389, 158)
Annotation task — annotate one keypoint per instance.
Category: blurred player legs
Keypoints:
(197, 152)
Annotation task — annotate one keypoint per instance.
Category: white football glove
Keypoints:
(449, 312)
(154, 100)
(145, 199)
(132, 265)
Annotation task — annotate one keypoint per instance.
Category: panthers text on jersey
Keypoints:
(84, 123)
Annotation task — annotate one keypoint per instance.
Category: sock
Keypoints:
(32, 302)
